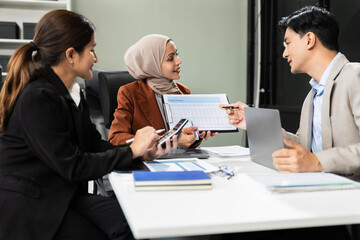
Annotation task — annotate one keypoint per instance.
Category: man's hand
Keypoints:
(296, 159)
(236, 116)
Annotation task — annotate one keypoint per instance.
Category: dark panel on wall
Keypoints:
(280, 88)
(250, 53)
(347, 13)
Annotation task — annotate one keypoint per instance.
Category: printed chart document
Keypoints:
(188, 164)
(201, 109)
(228, 151)
(299, 182)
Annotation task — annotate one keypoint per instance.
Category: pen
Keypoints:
(195, 132)
(232, 107)
(229, 107)
(157, 132)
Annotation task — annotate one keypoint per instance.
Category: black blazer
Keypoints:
(48, 151)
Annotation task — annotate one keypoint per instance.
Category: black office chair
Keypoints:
(109, 84)
(91, 90)
(92, 94)
(92, 97)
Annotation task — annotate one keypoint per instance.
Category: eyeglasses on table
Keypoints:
(226, 170)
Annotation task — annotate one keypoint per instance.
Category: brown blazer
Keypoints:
(137, 108)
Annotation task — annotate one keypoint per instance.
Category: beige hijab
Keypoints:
(143, 61)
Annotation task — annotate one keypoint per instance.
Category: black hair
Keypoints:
(313, 19)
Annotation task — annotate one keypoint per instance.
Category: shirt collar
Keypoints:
(319, 87)
(74, 91)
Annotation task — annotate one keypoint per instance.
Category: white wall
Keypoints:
(211, 37)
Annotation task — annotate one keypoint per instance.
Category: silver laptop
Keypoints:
(264, 134)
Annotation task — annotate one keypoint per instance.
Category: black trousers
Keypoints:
(94, 217)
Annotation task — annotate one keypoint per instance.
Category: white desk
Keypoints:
(231, 206)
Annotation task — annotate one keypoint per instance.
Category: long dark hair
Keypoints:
(56, 31)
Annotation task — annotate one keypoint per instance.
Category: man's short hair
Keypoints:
(313, 19)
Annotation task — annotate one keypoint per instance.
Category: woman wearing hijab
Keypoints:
(154, 61)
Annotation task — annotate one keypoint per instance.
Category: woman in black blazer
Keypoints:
(49, 148)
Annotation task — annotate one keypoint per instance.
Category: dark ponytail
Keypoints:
(56, 31)
(21, 69)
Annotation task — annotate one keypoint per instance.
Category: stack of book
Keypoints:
(176, 180)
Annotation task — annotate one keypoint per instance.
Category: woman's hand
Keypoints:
(236, 116)
(157, 150)
(143, 138)
(207, 135)
(187, 136)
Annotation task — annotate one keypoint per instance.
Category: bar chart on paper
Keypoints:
(202, 109)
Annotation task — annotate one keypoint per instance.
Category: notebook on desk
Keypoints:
(264, 134)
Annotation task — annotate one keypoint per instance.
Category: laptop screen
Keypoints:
(264, 134)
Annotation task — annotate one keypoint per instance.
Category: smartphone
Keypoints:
(175, 131)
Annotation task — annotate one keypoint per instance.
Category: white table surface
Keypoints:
(231, 206)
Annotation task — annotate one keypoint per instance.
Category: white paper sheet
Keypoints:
(228, 151)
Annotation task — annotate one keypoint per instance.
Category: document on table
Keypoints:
(300, 182)
(188, 164)
(201, 109)
(228, 151)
